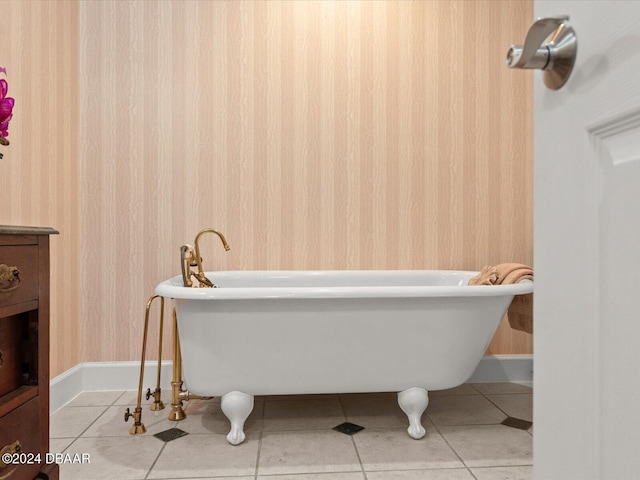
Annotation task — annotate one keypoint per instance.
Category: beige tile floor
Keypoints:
(291, 438)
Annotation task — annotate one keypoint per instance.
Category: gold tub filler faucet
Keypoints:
(189, 257)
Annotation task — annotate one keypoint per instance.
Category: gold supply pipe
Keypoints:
(177, 413)
(138, 427)
(157, 394)
(186, 261)
(186, 395)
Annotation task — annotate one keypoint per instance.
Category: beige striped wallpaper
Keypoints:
(40, 171)
(314, 134)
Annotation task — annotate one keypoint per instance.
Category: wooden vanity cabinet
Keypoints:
(24, 352)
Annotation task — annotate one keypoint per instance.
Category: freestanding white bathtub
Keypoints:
(304, 332)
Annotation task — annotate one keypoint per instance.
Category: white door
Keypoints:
(587, 250)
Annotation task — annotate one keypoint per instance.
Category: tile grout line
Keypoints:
(94, 421)
(156, 460)
(508, 416)
(67, 447)
(106, 407)
(488, 424)
(353, 440)
(78, 437)
(451, 447)
(88, 427)
(255, 475)
(121, 395)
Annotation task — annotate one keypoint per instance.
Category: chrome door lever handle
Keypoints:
(525, 57)
(550, 46)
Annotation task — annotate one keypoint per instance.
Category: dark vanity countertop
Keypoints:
(16, 230)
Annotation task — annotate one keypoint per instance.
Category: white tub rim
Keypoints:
(173, 287)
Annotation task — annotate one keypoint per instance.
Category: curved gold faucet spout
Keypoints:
(204, 281)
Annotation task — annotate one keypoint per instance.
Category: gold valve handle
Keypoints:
(10, 449)
(9, 278)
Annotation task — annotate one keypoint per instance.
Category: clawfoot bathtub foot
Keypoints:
(413, 403)
(237, 406)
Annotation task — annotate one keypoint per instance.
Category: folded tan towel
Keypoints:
(503, 274)
(488, 276)
(520, 311)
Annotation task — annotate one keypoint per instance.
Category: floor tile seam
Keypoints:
(268, 399)
(123, 392)
(484, 394)
(117, 398)
(353, 441)
(503, 393)
(103, 405)
(92, 423)
(288, 396)
(306, 429)
(385, 429)
(330, 429)
(467, 424)
(498, 464)
(451, 447)
(294, 476)
(255, 471)
(355, 447)
(495, 405)
(62, 438)
(440, 395)
(430, 469)
(474, 387)
(261, 433)
(311, 471)
(472, 474)
(155, 461)
(75, 439)
(504, 466)
(294, 418)
(207, 477)
(508, 393)
(200, 434)
(196, 434)
(301, 418)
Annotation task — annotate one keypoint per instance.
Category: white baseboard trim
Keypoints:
(504, 368)
(106, 376)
